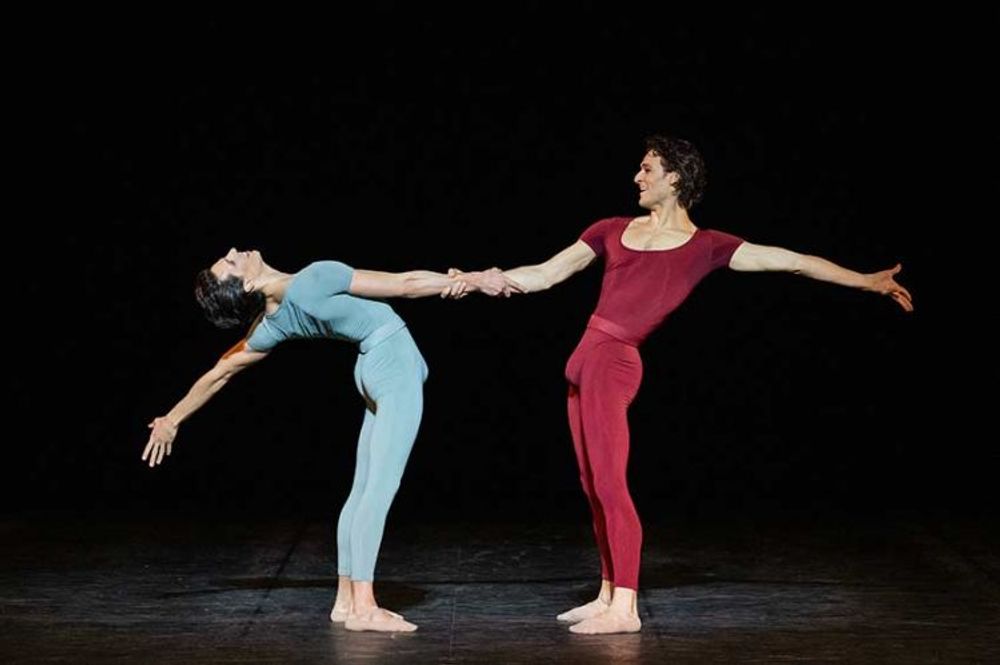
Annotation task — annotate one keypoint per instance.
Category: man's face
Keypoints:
(655, 184)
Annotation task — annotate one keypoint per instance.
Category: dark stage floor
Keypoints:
(169, 591)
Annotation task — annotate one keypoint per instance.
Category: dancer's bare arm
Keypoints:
(411, 284)
(751, 257)
(164, 428)
(528, 279)
(558, 269)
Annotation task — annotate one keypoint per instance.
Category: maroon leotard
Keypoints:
(640, 288)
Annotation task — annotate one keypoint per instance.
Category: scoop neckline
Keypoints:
(281, 303)
(621, 241)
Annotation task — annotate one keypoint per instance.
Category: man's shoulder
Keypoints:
(617, 219)
(716, 234)
(609, 222)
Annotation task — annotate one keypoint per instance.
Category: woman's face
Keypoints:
(237, 264)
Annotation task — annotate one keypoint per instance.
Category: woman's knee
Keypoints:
(379, 498)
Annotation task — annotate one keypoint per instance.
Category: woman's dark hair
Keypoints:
(225, 302)
(682, 158)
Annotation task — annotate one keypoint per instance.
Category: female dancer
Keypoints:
(329, 299)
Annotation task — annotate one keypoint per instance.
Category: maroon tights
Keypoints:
(604, 374)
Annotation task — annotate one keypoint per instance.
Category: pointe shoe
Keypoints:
(592, 609)
(379, 620)
(607, 624)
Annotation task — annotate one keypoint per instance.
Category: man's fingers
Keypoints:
(903, 301)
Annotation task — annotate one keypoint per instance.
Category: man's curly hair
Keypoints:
(682, 158)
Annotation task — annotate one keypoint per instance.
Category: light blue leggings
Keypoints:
(390, 377)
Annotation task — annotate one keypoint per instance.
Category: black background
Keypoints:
(394, 140)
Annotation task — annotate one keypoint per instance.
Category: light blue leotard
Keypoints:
(389, 374)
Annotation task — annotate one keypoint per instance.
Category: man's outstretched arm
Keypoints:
(754, 258)
(528, 279)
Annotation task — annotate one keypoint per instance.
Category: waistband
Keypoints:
(613, 329)
(379, 335)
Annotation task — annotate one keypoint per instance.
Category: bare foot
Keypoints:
(344, 600)
(607, 623)
(590, 610)
(339, 614)
(380, 620)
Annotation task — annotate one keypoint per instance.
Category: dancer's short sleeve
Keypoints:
(326, 278)
(265, 336)
(597, 234)
(723, 247)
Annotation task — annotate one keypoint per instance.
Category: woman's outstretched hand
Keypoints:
(161, 440)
